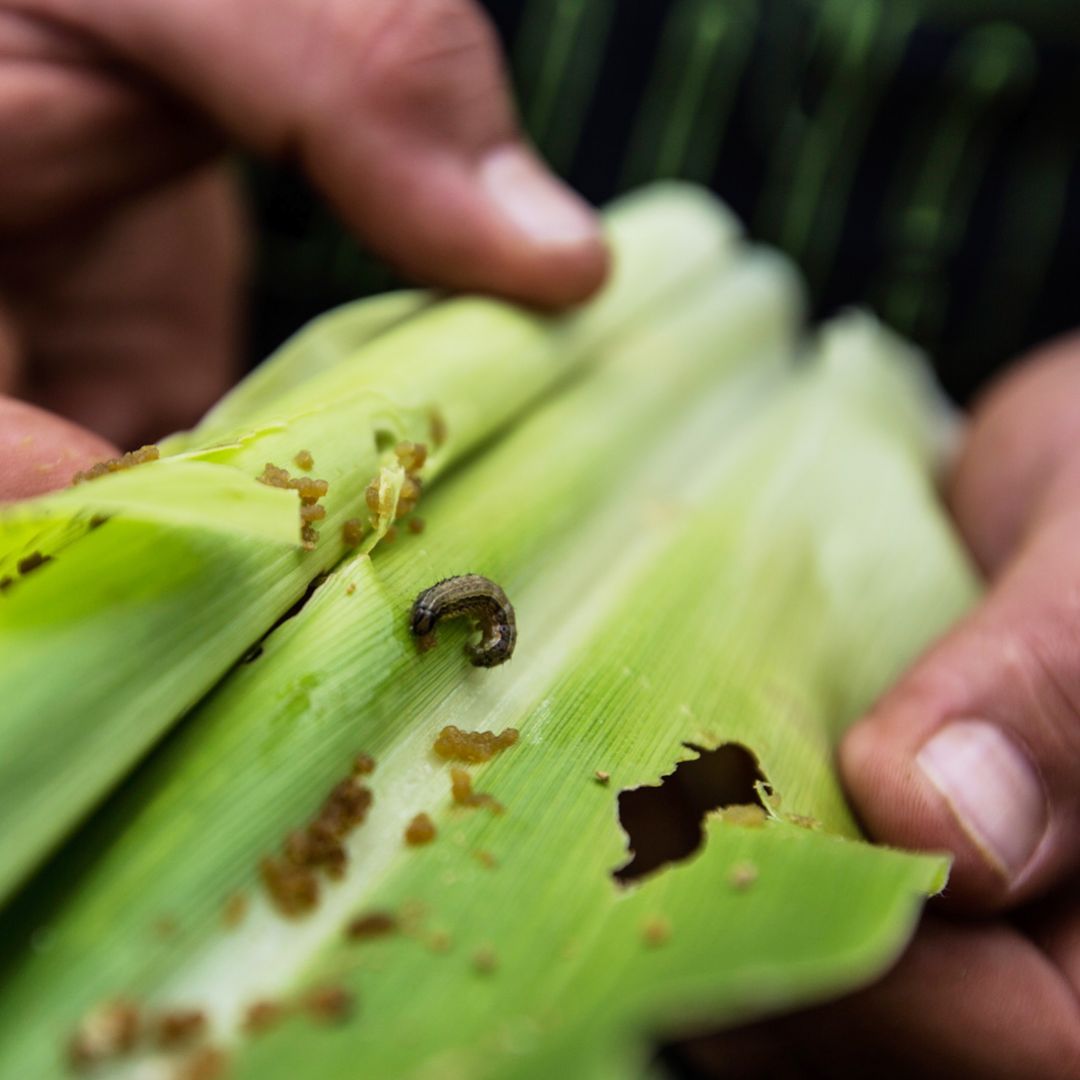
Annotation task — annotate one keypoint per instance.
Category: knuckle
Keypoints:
(428, 62)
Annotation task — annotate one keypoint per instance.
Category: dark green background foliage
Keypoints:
(919, 157)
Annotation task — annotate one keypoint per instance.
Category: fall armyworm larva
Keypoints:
(476, 597)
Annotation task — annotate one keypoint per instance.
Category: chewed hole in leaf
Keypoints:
(664, 823)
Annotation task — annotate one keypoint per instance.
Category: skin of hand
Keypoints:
(122, 239)
(976, 750)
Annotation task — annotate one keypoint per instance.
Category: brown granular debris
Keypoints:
(117, 464)
(440, 941)
(804, 821)
(485, 960)
(274, 476)
(346, 806)
(742, 875)
(462, 790)
(179, 1027)
(371, 496)
(310, 491)
(485, 858)
(304, 460)
(319, 845)
(453, 744)
(350, 588)
(416, 526)
(437, 427)
(363, 765)
(106, 1032)
(409, 496)
(291, 879)
(390, 535)
(32, 562)
(236, 907)
(261, 1016)
(206, 1063)
(602, 777)
(748, 815)
(331, 1004)
(294, 890)
(411, 455)
(352, 532)
(419, 831)
(657, 931)
(373, 925)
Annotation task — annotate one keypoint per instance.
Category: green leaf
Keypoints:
(693, 540)
(148, 611)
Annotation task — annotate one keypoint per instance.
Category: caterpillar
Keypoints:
(476, 597)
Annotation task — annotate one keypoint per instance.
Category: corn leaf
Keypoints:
(693, 538)
(144, 613)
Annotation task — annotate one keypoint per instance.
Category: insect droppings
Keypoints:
(453, 744)
(352, 532)
(473, 596)
(373, 925)
(330, 1004)
(742, 875)
(419, 831)
(179, 1027)
(656, 931)
(104, 1034)
(262, 1015)
(117, 464)
(462, 791)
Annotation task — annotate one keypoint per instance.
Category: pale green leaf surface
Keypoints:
(323, 344)
(177, 493)
(514, 513)
(687, 583)
(147, 616)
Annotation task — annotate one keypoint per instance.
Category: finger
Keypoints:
(1054, 925)
(40, 452)
(966, 1000)
(1022, 438)
(977, 749)
(134, 332)
(80, 133)
(399, 111)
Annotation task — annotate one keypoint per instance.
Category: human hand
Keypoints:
(122, 246)
(977, 751)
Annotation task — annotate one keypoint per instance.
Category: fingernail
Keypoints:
(993, 789)
(535, 201)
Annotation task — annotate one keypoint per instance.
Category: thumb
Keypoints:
(977, 750)
(397, 109)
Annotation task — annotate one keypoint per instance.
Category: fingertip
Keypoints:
(562, 255)
(498, 224)
(40, 452)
